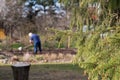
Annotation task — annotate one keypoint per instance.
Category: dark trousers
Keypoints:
(37, 45)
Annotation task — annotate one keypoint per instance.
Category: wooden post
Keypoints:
(68, 41)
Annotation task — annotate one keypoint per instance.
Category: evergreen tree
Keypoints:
(99, 45)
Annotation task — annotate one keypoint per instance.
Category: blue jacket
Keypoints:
(35, 38)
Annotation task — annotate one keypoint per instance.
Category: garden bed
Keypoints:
(47, 56)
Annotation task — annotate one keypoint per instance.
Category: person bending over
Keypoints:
(35, 40)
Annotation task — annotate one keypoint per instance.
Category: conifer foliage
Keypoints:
(99, 45)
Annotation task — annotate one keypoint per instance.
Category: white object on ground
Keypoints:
(20, 48)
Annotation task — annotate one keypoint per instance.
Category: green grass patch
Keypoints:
(17, 45)
(67, 66)
(47, 72)
(0, 46)
(48, 66)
